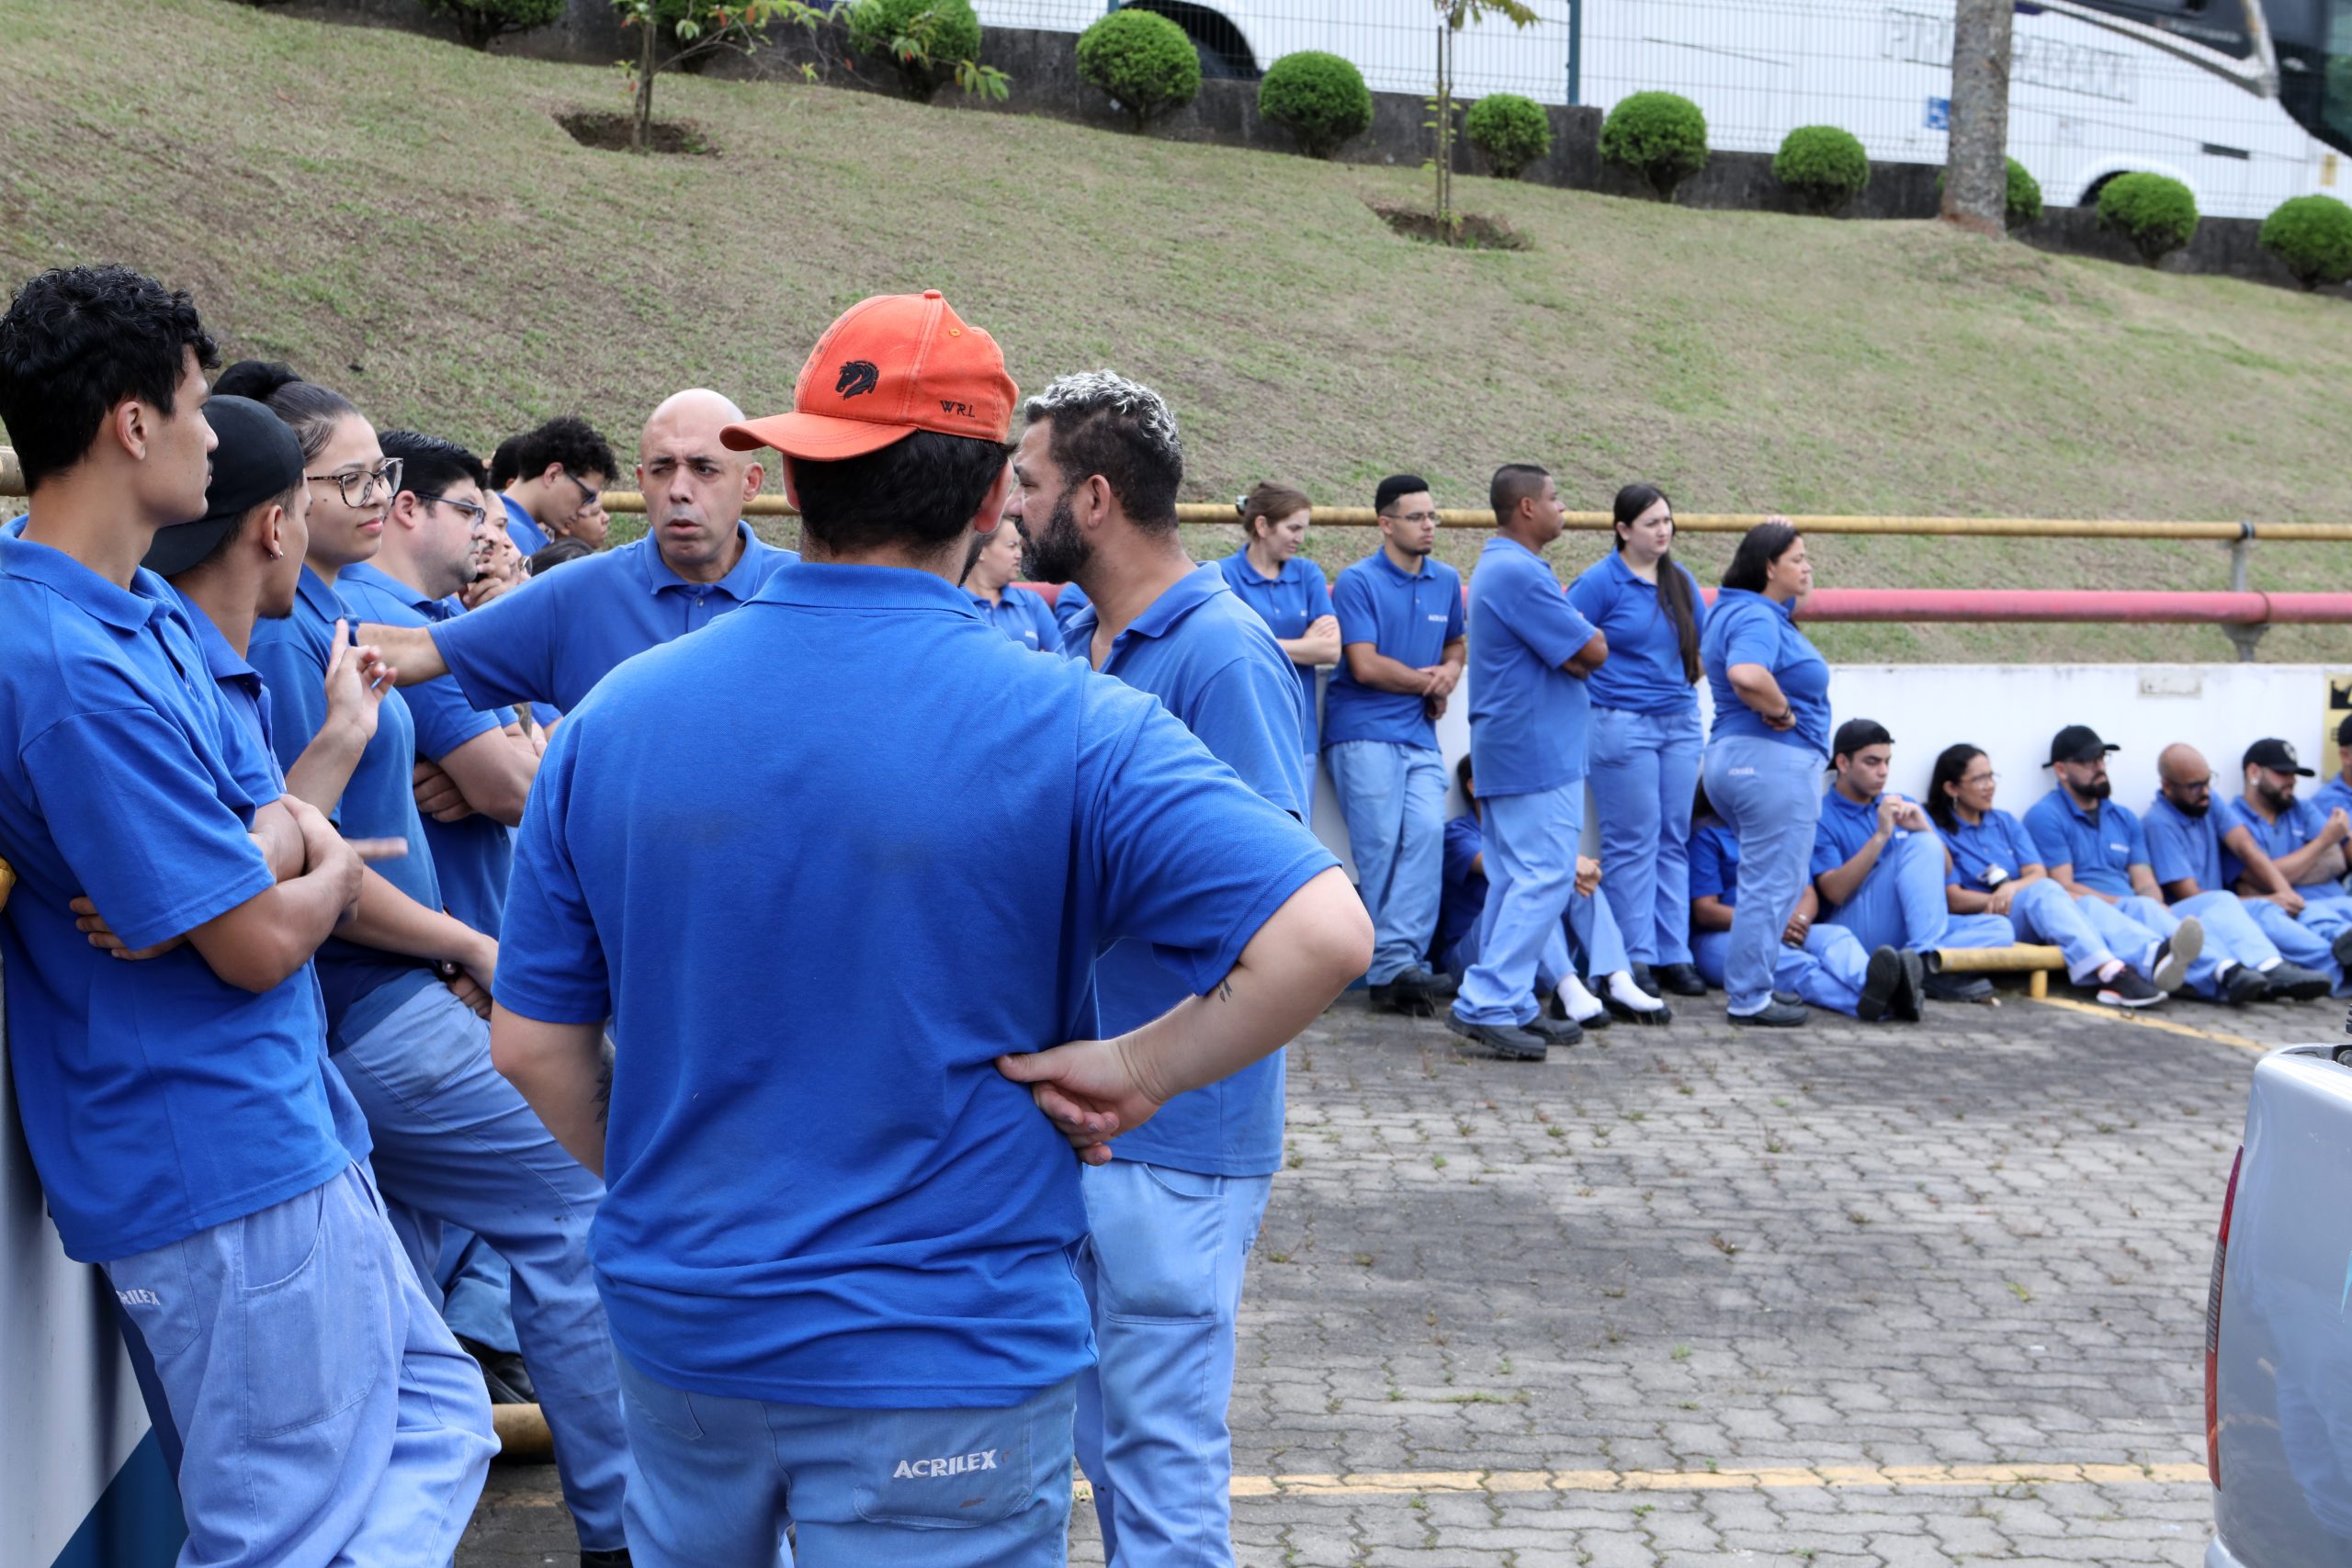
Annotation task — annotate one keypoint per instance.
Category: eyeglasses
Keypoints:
(1982, 779)
(472, 514)
(1410, 516)
(588, 495)
(371, 485)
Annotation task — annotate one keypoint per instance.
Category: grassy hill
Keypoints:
(406, 221)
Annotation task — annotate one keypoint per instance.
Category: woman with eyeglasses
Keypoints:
(1643, 752)
(1996, 871)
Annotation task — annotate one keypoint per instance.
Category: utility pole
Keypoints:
(1976, 171)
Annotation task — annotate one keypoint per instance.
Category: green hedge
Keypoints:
(1824, 165)
(1145, 63)
(1660, 136)
(1510, 130)
(1318, 98)
(479, 21)
(2024, 204)
(2313, 234)
(2156, 213)
(947, 32)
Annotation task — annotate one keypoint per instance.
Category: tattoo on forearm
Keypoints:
(1225, 989)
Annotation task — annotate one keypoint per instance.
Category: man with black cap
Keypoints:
(1879, 868)
(2303, 838)
(2097, 850)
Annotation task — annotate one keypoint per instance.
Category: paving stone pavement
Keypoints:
(1849, 1295)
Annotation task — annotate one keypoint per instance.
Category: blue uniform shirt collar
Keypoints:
(223, 661)
(126, 609)
(370, 572)
(313, 593)
(863, 588)
(1163, 615)
(1728, 596)
(1399, 572)
(741, 579)
(1498, 541)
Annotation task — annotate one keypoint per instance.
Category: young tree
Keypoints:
(697, 30)
(1976, 174)
(1453, 17)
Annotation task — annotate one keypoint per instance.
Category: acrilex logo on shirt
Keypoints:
(938, 1469)
(139, 1298)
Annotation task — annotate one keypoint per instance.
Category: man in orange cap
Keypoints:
(837, 1248)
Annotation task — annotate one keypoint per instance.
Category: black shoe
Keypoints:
(1882, 981)
(1676, 980)
(1775, 1014)
(617, 1557)
(1788, 999)
(1943, 987)
(1911, 1002)
(1561, 1032)
(2293, 982)
(503, 1372)
(1390, 997)
(1646, 977)
(2341, 950)
(1507, 1040)
(2126, 990)
(2174, 954)
(2243, 986)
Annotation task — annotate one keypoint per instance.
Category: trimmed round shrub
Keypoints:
(942, 31)
(1318, 98)
(2024, 204)
(1824, 166)
(1144, 60)
(1510, 130)
(2156, 213)
(2313, 235)
(1660, 136)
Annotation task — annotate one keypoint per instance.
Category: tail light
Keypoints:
(2214, 1329)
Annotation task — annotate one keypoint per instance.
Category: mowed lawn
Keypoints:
(405, 221)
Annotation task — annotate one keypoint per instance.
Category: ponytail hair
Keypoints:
(312, 412)
(1269, 503)
(1952, 762)
(1674, 595)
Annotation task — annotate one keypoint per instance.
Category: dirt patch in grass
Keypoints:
(1472, 231)
(610, 133)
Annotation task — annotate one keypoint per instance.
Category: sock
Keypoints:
(2110, 970)
(1582, 1005)
(1626, 994)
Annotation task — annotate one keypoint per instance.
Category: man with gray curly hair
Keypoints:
(1171, 1217)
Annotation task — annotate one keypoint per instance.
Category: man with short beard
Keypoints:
(2196, 849)
(2097, 852)
(2304, 839)
(552, 639)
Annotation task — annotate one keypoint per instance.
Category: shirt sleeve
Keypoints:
(1247, 715)
(1535, 610)
(1351, 602)
(1589, 594)
(503, 653)
(1707, 879)
(2048, 837)
(2167, 853)
(1180, 852)
(1752, 640)
(550, 964)
(1464, 842)
(136, 816)
(1827, 854)
(445, 720)
(1700, 610)
(1456, 616)
(2135, 837)
(296, 686)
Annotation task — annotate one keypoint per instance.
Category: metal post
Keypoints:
(1576, 52)
(2242, 638)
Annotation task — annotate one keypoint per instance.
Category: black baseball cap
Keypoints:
(1857, 733)
(2277, 756)
(2078, 743)
(258, 459)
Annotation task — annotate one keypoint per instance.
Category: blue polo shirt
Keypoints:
(1409, 616)
(2297, 826)
(1214, 664)
(2180, 845)
(2102, 848)
(1023, 616)
(2000, 839)
(522, 528)
(471, 856)
(1714, 862)
(2331, 795)
(826, 1193)
(1749, 628)
(1288, 603)
(1844, 827)
(363, 985)
(1527, 714)
(1644, 672)
(158, 1101)
(1464, 898)
(551, 639)
(1068, 604)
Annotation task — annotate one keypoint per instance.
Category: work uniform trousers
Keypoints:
(1589, 944)
(1163, 1267)
(1901, 904)
(1769, 793)
(1828, 970)
(2307, 938)
(1644, 768)
(456, 1142)
(1530, 855)
(323, 1413)
(2040, 911)
(2231, 938)
(1394, 799)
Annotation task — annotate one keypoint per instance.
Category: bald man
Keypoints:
(553, 639)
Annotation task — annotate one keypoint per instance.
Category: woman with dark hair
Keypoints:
(1764, 758)
(1288, 591)
(1644, 749)
(1996, 871)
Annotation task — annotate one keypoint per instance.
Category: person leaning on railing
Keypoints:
(1764, 758)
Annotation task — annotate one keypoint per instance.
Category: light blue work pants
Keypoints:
(718, 1480)
(1828, 970)
(456, 1141)
(2307, 939)
(1769, 793)
(476, 1290)
(1643, 770)
(1163, 1265)
(1531, 856)
(2231, 935)
(2042, 912)
(323, 1413)
(1588, 932)
(1901, 904)
(1394, 798)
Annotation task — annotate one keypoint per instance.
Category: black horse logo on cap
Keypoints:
(857, 377)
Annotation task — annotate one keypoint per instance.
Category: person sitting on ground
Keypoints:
(2335, 795)
(1815, 962)
(2304, 841)
(1021, 614)
(1879, 869)
(560, 471)
(2096, 848)
(1995, 870)
(2195, 851)
(1591, 943)
(1276, 579)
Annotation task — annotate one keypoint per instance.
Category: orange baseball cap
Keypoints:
(889, 366)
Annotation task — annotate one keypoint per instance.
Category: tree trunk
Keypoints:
(1445, 131)
(641, 134)
(1976, 174)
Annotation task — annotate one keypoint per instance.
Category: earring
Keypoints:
(278, 554)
